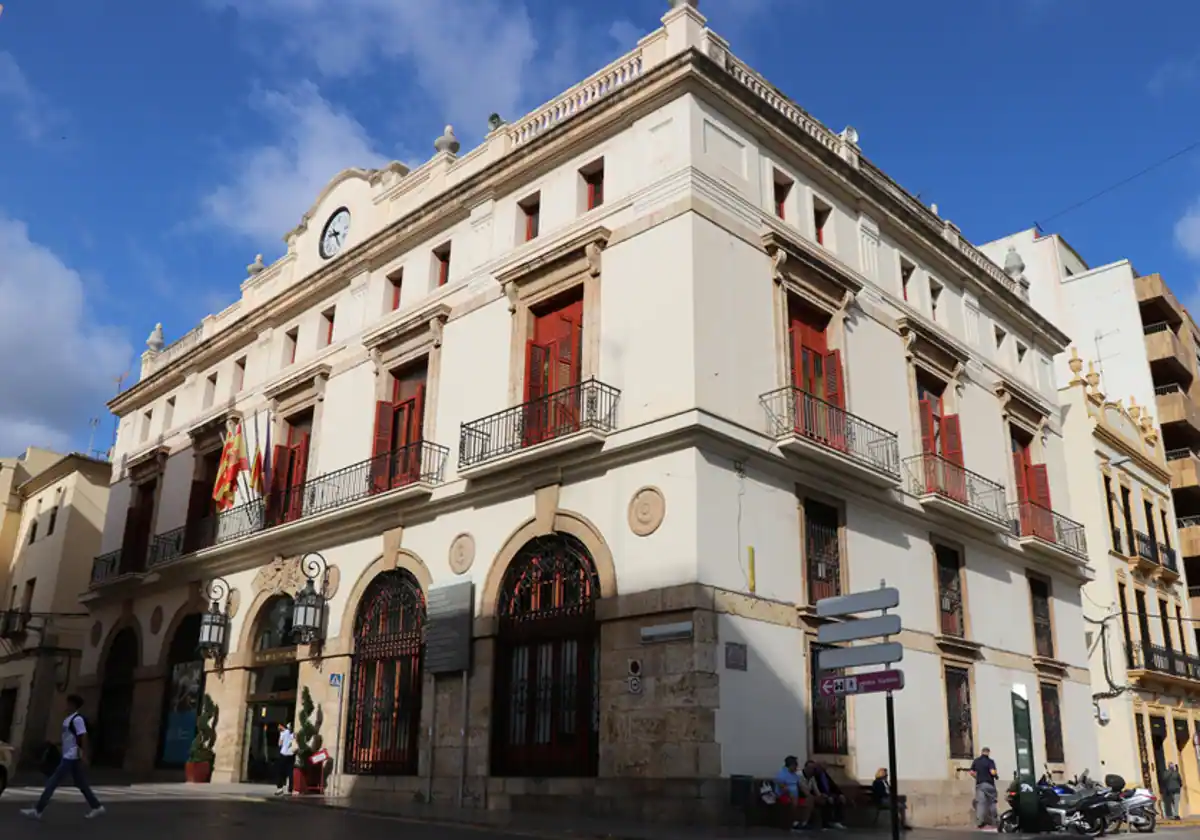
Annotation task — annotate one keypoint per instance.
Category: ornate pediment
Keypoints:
(209, 432)
(311, 377)
(420, 327)
(559, 262)
(795, 265)
(1021, 404)
(148, 464)
(927, 346)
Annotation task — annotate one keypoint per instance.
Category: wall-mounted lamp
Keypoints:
(308, 615)
(214, 623)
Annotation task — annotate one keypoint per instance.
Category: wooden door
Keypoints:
(552, 374)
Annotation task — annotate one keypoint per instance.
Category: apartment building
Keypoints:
(14, 472)
(42, 626)
(1140, 636)
(568, 433)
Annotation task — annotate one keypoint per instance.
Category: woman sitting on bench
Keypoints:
(881, 793)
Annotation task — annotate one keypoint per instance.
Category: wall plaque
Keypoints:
(450, 616)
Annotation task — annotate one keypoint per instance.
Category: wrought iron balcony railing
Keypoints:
(106, 567)
(932, 474)
(1032, 520)
(1168, 558)
(1147, 548)
(791, 411)
(1117, 542)
(421, 462)
(1146, 656)
(13, 623)
(1187, 522)
(589, 405)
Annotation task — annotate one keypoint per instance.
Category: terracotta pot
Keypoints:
(197, 772)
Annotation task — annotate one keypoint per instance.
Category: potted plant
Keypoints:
(306, 776)
(198, 769)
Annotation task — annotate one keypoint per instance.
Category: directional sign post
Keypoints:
(854, 629)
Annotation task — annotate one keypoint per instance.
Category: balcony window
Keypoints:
(1043, 627)
(1164, 620)
(399, 428)
(289, 469)
(1127, 509)
(1052, 723)
(553, 359)
(138, 523)
(1035, 512)
(1123, 600)
(959, 724)
(822, 550)
(1112, 519)
(950, 592)
(199, 523)
(816, 373)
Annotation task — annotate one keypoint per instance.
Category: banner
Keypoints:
(182, 705)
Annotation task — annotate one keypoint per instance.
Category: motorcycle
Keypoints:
(1084, 808)
(1140, 810)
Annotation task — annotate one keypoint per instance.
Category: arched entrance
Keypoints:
(547, 662)
(181, 697)
(274, 675)
(116, 699)
(385, 684)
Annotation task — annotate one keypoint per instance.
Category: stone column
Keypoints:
(228, 691)
(144, 721)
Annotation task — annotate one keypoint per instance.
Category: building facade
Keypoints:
(42, 626)
(1145, 669)
(13, 473)
(652, 369)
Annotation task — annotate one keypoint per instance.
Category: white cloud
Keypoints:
(58, 365)
(271, 186)
(1187, 232)
(31, 114)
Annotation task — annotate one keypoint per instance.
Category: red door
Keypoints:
(552, 374)
(297, 470)
(1033, 494)
(408, 421)
(818, 395)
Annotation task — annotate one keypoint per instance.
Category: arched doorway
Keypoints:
(271, 694)
(547, 662)
(182, 693)
(385, 685)
(116, 699)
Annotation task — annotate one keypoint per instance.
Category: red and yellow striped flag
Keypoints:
(233, 461)
(257, 479)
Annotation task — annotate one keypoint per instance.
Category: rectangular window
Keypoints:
(531, 217)
(1022, 351)
(1052, 723)
(395, 282)
(399, 430)
(1112, 517)
(1035, 512)
(239, 375)
(972, 325)
(291, 340)
(958, 712)
(950, 592)
(822, 213)
(53, 520)
(210, 391)
(816, 371)
(201, 510)
(1130, 534)
(1000, 335)
(829, 718)
(941, 440)
(289, 469)
(441, 264)
(782, 186)
(592, 179)
(27, 595)
(935, 298)
(1143, 619)
(327, 319)
(169, 413)
(33, 526)
(1123, 600)
(1183, 646)
(553, 369)
(147, 419)
(1166, 531)
(1164, 620)
(907, 269)
(822, 551)
(1043, 626)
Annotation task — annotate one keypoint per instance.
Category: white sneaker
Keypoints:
(95, 812)
(280, 791)
(32, 813)
(837, 825)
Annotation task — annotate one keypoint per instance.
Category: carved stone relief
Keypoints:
(279, 577)
(647, 509)
(462, 554)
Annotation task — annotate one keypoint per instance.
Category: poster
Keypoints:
(182, 702)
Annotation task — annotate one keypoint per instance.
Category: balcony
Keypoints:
(1168, 569)
(1155, 664)
(953, 491)
(1157, 302)
(14, 624)
(1145, 554)
(829, 437)
(1189, 535)
(1052, 535)
(1185, 468)
(407, 473)
(578, 416)
(1169, 360)
(1174, 406)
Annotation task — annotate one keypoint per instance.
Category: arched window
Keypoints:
(116, 699)
(183, 690)
(274, 624)
(385, 687)
(547, 667)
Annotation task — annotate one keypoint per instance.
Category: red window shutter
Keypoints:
(537, 373)
(835, 393)
(1039, 486)
(928, 444)
(381, 445)
(795, 356)
(952, 448)
(417, 423)
(300, 460)
(279, 470)
(199, 505)
(1019, 474)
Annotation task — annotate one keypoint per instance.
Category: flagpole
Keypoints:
(257, 452)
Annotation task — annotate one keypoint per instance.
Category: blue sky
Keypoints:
(149, 149)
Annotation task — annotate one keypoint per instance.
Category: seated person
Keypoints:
(831, 798)
(795, 792)
(881, 793)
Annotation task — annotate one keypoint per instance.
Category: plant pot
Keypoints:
(197, 772)
(299, 780)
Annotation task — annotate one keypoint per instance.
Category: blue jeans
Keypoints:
(72, 767)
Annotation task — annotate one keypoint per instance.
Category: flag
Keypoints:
(256, 473)
(233, 461)
(266, 461)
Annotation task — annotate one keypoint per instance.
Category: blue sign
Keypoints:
(335, 680)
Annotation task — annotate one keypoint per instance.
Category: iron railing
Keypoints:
(106, 567)
(1169, 388)
(1147, 548)
(1117, 543)
(1168, 558)
(1151, 657)
(1027, 519)
(791, 411)
(1156, 327)
(932, 474)
(586, 405)
(14, 623)
(164, 548)
(1180, 454)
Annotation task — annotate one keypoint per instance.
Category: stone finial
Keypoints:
(155, 342)
(1014, 266)
(1076, 365)
(447, 142)
(1135, 410)
(675, 4)
(1147, 422)
(1093, 378)
(933, 209)
(495, 121)
(256, 266)
(850, 135)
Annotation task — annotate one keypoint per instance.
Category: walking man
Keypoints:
(74, 746)
(1172, 784)
(984, 771)
(287, 759)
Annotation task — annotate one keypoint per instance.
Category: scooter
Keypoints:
(1140, 810)
(1089, 809)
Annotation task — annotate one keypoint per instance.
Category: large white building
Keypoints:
(653, 369)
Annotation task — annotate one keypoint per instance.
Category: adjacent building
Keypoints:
(60, 512)
(567, 434)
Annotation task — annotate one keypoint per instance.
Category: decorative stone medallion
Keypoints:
(233, 602)
(97, 629)
(647, 509)
(462, 554)
(156, 620)
(333, 579)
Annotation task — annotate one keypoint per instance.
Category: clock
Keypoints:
(333, 237)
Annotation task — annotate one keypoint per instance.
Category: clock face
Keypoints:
(335, 233)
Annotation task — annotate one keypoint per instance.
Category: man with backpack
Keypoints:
(74, 743)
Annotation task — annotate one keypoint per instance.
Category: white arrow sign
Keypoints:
(884, 653)
(853, 629)
(885, 598)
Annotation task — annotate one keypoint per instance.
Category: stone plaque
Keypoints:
(647, 509)
(462, 554)
(737, 656)
(450, 614)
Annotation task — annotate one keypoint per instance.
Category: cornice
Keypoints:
(925, 341)
(1122, 444)
(428, 317)
(1013, 393)
(795, 260)
(315, 370)
(586, 243)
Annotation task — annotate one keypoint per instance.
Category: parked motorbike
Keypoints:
(1140, 810)
(1086, 809)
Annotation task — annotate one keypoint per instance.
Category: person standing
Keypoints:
(74, 755)
(1172, 784)
(286, 763)
(984, 771)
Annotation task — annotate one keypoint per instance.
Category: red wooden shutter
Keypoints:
(1019, 473)
(381, 446)
(299, 461)
(1039, 492)
(952, 448)
(834, 392)
(413, 436)
(928, 443)
(277, 492)
(537, 375)
(796, 355)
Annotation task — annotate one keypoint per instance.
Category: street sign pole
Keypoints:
(890, 705)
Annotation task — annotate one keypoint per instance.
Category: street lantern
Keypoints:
(308, 615)
(214, 623)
